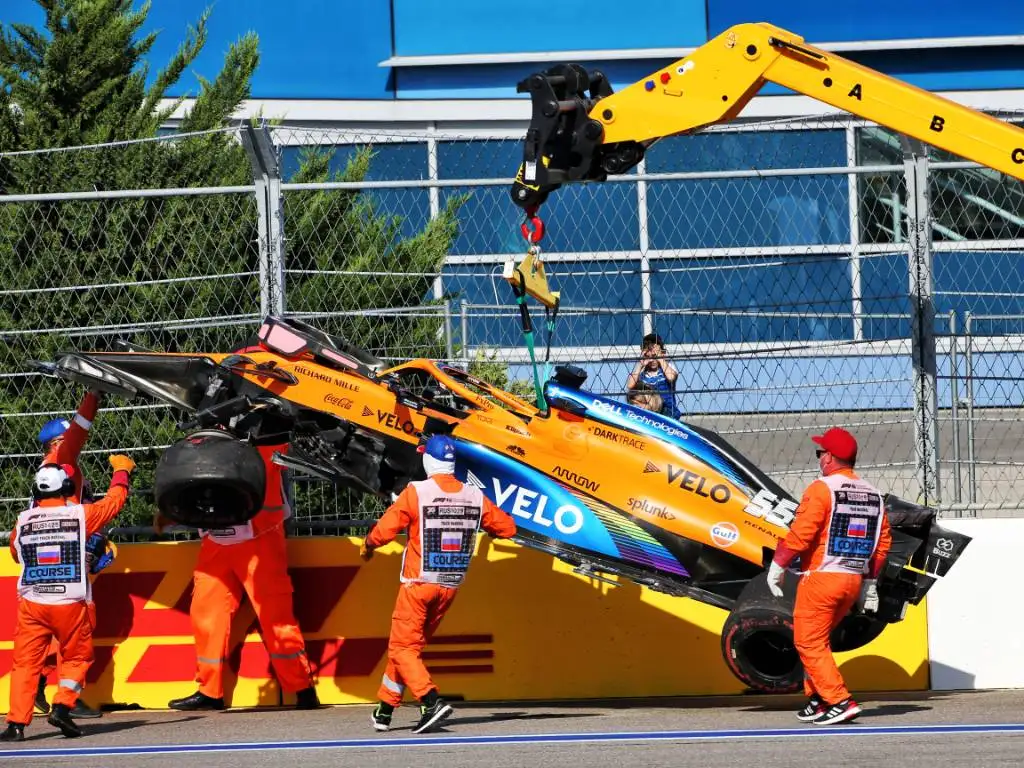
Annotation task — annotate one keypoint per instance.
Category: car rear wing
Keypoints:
(939, 547)
(922, 552)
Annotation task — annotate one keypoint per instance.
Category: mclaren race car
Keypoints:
(608, 487)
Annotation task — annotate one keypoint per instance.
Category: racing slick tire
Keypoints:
(209, 479)
(757, 637)
(757, 644)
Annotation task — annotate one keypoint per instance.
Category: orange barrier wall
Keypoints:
(524, 627)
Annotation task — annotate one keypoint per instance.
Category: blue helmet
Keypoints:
(440, 447)
(99, 552)
(53, 428)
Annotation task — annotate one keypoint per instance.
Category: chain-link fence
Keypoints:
(780, 262)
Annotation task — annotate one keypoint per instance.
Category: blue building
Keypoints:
(724, 265)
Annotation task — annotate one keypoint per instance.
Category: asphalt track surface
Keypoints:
(930, 729)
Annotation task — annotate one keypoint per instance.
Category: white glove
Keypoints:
(776, 573)
(868, 599)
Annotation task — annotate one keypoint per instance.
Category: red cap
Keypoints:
(839, 443)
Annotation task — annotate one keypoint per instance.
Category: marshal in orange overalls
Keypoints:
(63, 441)
(840, 533)
(250, 558)
(441, 516)
(54, 590)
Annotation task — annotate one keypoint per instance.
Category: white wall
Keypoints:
(975, 620)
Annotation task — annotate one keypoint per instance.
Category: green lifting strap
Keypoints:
(550, 316)
(524, 315)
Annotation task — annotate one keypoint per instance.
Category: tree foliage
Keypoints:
(169, 272)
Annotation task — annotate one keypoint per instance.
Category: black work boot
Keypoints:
(307, 699)
(82, 711)
(13, 732)
(197, 701)
(433, 710)
(381, 716)
(41, 703)
(60, 718)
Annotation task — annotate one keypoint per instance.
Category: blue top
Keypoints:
(656, 380)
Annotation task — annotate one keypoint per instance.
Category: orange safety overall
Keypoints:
(55, 594)
(441, 516)
(67, 452)
(250, 558)
(840, 532)
(69, 447)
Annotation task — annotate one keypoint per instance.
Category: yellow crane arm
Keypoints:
(576, 137)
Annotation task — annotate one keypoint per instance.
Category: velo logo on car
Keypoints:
(393, 421)
(652, 425)
(539, 503)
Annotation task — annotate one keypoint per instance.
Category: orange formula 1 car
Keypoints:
(605, 486)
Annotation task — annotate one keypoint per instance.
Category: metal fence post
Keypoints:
(954, 386)
(434, 198)
(464, 331)
(972, 467)
(266, 171)
(922, 319)
(644, 241)
(449, 347)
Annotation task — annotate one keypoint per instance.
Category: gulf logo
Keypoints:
(724, 534)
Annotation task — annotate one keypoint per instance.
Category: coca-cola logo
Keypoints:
(345, 403)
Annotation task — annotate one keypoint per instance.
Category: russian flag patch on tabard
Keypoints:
(451, 541)
(48, 555)
(857, 528)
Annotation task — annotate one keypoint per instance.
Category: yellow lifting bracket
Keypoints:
(529, 275)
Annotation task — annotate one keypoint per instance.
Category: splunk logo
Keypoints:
(645, 506)
(531, 505)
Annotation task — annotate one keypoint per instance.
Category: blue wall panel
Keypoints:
(433, 27)
(819, 22)
(727, 300)
(328, 50)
